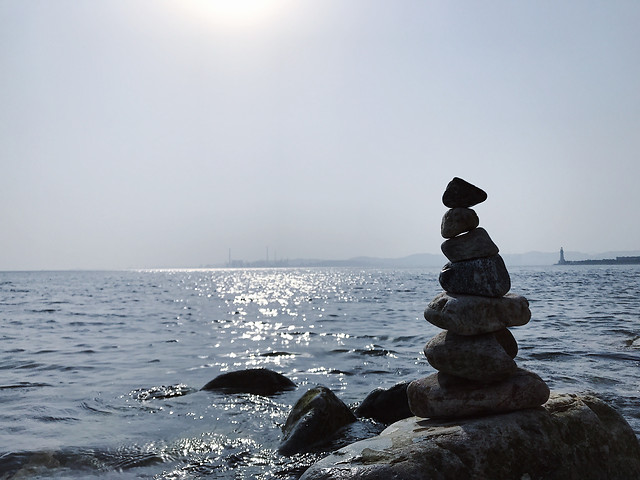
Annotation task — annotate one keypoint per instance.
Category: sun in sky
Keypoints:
(232, 13)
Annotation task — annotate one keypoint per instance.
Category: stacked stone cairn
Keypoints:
(474, 355)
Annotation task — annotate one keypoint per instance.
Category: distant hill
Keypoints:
(423, 260)
(511, 259)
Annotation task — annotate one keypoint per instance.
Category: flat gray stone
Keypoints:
(443, 396)
(570, 437)
(482, 276)
(473, 315)
(460, 193)
(481, 358)
(458, 220)
(473, 244)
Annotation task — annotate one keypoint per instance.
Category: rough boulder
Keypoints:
(569, 437)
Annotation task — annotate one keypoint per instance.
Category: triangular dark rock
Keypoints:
(460, 193)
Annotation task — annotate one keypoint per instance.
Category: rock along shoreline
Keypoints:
(569, 437)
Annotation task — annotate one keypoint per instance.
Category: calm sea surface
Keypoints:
(100, 371)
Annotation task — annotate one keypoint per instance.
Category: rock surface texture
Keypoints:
(457, 221)
(480, 416)
(570, 437)
(473, 315)
(314, 419)
(475, 353)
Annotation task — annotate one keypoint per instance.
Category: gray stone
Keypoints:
(506, 340)
(386, 405)
(442, 396)
(458, 220)
(472, 315)
(259, 381)
(473, 244)
(480, 358)
(460, 193)
(314, 419)
(571, 437)
(483, 276)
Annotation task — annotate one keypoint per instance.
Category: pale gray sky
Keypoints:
(143, 133)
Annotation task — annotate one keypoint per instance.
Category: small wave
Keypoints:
(124, 459)
(161, 392)
(277, 354)
(24, 385)
(28, 365)
(616, 356)
(51, 418)
(86, 406)
(375, 351)
(32, 464)
(328, 371)
(550, 355)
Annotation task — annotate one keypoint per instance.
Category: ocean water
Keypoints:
(100, 371)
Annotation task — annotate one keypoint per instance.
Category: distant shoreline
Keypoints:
(419, 260)
(604, 261)
(619, 260)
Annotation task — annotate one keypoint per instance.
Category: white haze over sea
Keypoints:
(148, 133)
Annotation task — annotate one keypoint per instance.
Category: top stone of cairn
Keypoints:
(460, 193)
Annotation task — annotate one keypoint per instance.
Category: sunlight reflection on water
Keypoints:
(112, 362)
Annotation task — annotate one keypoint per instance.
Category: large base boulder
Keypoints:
(570, 437)
(446, 396)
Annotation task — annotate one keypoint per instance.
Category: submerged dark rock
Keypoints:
(314, 419)
(259, 381)
(386, 405)
(571, 437)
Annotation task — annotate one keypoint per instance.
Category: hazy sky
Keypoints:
(148, 133)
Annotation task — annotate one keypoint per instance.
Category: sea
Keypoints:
(101, 371)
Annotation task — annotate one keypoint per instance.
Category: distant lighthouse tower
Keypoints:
(562, 261)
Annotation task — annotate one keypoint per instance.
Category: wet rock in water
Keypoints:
(444, 396)
(479, 358)
(460, 193)
(458, 220)
(314, 419)
(473, 244)
(386, 405)
(259, 381)
(483, 276)
(161, 392)
(577, 437)
(473, 315)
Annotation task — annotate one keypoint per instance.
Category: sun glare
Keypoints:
(233, 13)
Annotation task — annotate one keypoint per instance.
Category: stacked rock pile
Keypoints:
(474, 355)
